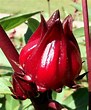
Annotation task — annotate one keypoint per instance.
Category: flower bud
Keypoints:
(51, 58)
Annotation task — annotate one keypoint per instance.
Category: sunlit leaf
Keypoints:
(11, 103)
(79, 32)
(4, 86)
(83, 50)
(79, 8)
(58, 96)
(15, 20)
(27, 104)
(3, 59)
(77, 100)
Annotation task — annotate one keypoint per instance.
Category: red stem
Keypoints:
(87, 39)
(9, 50)
(45, 102)
(50, 105)
(88, 44)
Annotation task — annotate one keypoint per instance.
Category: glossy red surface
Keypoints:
(52, 57)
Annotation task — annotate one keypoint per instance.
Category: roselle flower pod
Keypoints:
(52, 57)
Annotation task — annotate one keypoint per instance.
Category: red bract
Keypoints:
(23, 87)
(52, 57)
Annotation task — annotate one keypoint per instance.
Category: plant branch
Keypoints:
(88, 44)
(9, 50)
(87, 39)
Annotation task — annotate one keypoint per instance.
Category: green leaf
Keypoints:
(77, 100)
(83, 50)
(27, 35)
(11, 103)
(5, 68)
(58, 96)
(79, 8)
(15, 20)
(79, 32)
(54, 95)
(3, 59)
(4, 86)
(27, 104)
(32, 26)
(2, 103)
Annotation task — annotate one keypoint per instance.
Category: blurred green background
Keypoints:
(23, 6)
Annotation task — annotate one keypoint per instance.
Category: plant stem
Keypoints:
(88, 44)
(49, 7)
(9, 50)
(45, 102)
